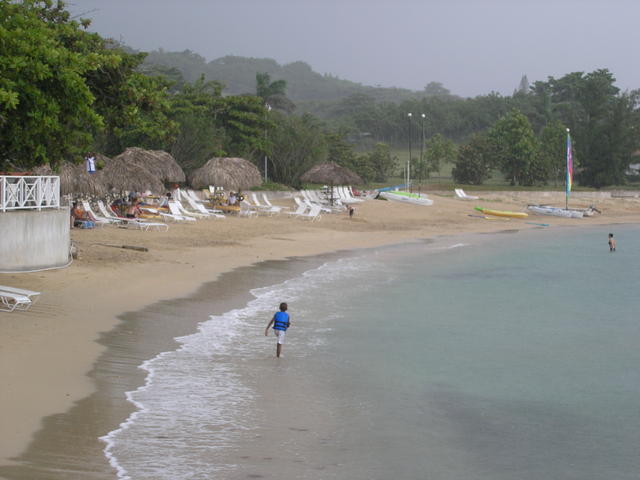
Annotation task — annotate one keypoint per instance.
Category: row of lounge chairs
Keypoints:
(186, 207)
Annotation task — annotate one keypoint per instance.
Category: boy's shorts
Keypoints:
(280, 335)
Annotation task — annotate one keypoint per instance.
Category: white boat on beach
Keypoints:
(407, 197)
(555, 211)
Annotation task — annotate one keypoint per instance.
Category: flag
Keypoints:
(569, 164)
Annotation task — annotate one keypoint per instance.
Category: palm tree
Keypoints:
(273, 93)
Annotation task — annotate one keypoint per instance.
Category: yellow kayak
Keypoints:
(502, 213)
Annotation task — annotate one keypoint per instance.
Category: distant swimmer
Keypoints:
(612, 243)
(281, 322)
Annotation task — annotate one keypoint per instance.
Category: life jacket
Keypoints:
(281, 321)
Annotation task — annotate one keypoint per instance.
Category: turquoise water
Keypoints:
(511, 356)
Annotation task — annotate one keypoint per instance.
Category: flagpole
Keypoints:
(569, 168)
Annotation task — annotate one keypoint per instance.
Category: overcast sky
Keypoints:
(472, 46)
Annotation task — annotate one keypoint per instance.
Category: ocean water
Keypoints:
(510, 356)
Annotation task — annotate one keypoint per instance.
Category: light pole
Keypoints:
(268, 107)
(409, 160)
(422, 149)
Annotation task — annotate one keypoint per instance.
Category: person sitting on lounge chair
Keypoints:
(133, 211)
(165, 200)
(80, 216)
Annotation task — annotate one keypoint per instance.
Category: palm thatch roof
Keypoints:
(231, 173)
(74, 179)
(161, 164)
(118, 175)
(331, 172)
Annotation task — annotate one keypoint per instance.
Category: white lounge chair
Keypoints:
(131, 222)
(177, 214)
(201, 209)
(12, 301)
(97, 219)
(30, 294)
(313, 215)
(264, 208)
(16, 298)
(247, 210)
(269, 204)
(302, 207)
(461, 194)
(347, 197)
(249, 206)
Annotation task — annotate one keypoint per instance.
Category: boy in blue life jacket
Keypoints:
(281, 321)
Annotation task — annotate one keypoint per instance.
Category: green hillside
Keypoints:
(304, 86)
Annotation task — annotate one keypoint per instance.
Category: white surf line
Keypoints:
(109, 438)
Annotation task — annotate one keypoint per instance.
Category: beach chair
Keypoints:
(313, 215)
(30, 294)
(131, 222)
(462, 195)
(302, 207)
(183, 211)
(247, 210)
(263, 208)
(13, 301)
(268, 203)
(176, 214)
(97, 219)
(201, 209)
(248, 206)
(16, 298)
(347, 196)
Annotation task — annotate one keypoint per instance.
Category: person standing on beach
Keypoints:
(612, 243)
(281, 321)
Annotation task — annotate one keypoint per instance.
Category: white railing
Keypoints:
(29, 192)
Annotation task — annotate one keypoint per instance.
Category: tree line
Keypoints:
(65, 91)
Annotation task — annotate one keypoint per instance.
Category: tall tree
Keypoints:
(553, 151)
(297, 144)
(273, 93)
(515, 147)
(603, 122)
(244, 119)
(438, 151)
(474, 163)
(196, 109)
(45, 104)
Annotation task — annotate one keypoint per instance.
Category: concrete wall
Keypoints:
(31, 240)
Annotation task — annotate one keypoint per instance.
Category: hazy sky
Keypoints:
(471, 46)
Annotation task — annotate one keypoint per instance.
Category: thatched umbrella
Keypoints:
(331, 173)
(74, 179)
(161, 164)
(231, 173)
(117, 175)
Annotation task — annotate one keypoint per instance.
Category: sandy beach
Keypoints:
(47, 352)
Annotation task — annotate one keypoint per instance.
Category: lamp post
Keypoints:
(409, 160)
(423, 116)
(268, 107)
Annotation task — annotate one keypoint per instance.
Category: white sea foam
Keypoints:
(194, 403)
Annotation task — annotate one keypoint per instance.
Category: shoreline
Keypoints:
(48, 351)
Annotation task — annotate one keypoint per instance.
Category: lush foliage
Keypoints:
(45, 102)
(474, 162)
(604, 122)
(438, 151)
(515, 148)
(297, 144)
(64, 90)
